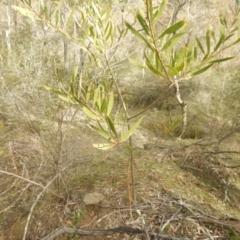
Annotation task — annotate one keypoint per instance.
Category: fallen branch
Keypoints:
(65, 229)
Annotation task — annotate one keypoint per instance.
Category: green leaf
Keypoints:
(70, 18)
(220, 41)
(237, 41)
(173, 28)
(110, 103)
(180, 56)
(104, 106)
(108, 31)
(202, 70)
(111, 125)
(126, 135)
(103, 146)
(221, 60)
(25, 12)
(159, 11)
(137, 64)
(172, 42)
(143, 23)
(90, 113)
(200, 45)
(153, 69)
(138, 35)
(174, 71)
(101, 132)
(54, 90)
(67, 99)
(208, 41)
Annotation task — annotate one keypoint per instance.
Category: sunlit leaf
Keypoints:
(127, 134)
(138, 35)
(202, 70)
(108, 31)
(200, 45)
(110, 103)
(173, 28)
(208, 41)
(70, 18)
(220, 41)
(25, 12)
(90, 113)
(143, 23)
(101, 132)
(103, 146)
(172, 42)
(137, 63)
(221, 60)
(159, 11)
(153, 69)
(111, 125)
(66, 99)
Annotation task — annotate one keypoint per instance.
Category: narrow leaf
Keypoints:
(159, 11)
(66, 99)
(200, 45)
(153, 69)
(110, 103)
(137, 64)
(173, 28)
(143, 23)
(90, 113)
(172, 42)
(208, 41)
(126, 135)
(202, 70)
(138, 35)
(111, 125)
(221, 60)
(101, 132)
(103, 146)
(25, 12)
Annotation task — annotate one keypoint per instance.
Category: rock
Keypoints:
(92, 198)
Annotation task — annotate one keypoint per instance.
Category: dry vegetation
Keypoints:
(186, 189)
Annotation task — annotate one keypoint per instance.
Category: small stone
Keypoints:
(92, 198)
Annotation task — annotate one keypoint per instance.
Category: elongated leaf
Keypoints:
(220, 41)
(108, 31)
(153, 69)
(208, 41)
(104, 106)
(237, 41)
(137, 64)
(70, 18)
(173, 28)
(54, 90)
(143, 23)
(66, 99)
(101, 132)
(103, 146)
(111, 125)
(90, 113)
(172, 42)
(202, 70)
(138, 35)
(180, 56)
(110, 103)
(200, 45)
(159, 11)
(221, 60)
(228, 37)
(174, 71)
(126, 135)
(25, 12)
